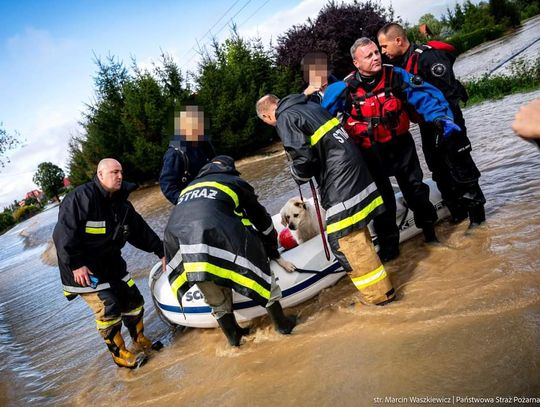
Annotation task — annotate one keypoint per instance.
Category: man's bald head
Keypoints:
(109, 173)
(266, 109)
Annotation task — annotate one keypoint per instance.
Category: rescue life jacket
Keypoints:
(378, 115)
(412, 62)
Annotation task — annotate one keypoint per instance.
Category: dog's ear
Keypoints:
(283, 220)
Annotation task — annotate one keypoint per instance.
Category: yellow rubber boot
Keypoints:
(121, 356)
(139, 340)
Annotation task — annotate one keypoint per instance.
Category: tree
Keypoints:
(7, 142)
(333, 32)
(130, 120)
(50, 179)
(229, 83)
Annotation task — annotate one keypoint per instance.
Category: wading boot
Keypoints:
(134, 324)
(388, 248)
(477, 215)
(429, 232)
(282, 323)
(121, 356)
(231, 329)
(457, 213)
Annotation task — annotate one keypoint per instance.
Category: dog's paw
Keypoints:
(287, 265)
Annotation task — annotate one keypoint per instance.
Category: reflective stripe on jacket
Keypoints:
(206, 238)
(319, 147)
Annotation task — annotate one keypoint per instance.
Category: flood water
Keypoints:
(466, 323)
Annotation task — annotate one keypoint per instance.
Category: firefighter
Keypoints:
(450, 162)
(94, 222)
(319, 147)
(210, 240)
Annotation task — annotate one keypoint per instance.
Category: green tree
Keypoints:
(7, 142)
(130, 120)
(230, 81)
(50, 179)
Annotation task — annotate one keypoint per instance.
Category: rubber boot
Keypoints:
(429, 232)
(135, 326)
(388, 248)
(477, 215)
(121, 356)
(283, 324)
(231, 329)
(457, 213)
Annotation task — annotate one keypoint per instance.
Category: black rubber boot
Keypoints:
(282, 323)
(231, 329)
(429, 232)
(457, 213)
(477, 215)
(389, 248)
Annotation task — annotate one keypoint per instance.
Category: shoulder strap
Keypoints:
(177, 147)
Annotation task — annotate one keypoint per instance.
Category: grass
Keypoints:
(524, 76)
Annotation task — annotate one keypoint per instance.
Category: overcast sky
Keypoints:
(48, 49)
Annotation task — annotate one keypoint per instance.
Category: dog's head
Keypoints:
(294, 213)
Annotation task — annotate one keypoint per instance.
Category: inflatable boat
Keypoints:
(316, 274)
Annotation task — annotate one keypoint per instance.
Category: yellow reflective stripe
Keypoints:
(321, 131)
(246, 222)
(105, 324)
(217, 185)
(228, 274)
(130, 282)
(179, 282)
(95, 231)
(67, 293)
(370, 278)
(133, 312)
(357, 217)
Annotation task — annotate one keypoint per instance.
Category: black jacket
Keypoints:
(436, 67)
(91, 230)
(181, 163)
(319, 147)
(209, 236)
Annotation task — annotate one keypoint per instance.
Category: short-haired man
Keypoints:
(376, 96)
(451, 163)
(319, 147)
(94, 222)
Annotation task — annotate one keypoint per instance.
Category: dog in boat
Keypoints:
(301, 219)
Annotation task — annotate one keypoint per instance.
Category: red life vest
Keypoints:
(378, 115)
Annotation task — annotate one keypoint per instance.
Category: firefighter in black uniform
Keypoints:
(94, 222)
(210, 241)
(449, 159)
(319, 147)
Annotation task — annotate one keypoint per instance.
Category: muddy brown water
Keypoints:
(466, 323)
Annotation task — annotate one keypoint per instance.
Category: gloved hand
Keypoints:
(448, 127)
(445, 129)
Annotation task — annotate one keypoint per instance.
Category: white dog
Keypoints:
(300, 217)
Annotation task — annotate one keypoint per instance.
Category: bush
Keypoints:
(24, 212)
(464, 42)
(6, 221)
